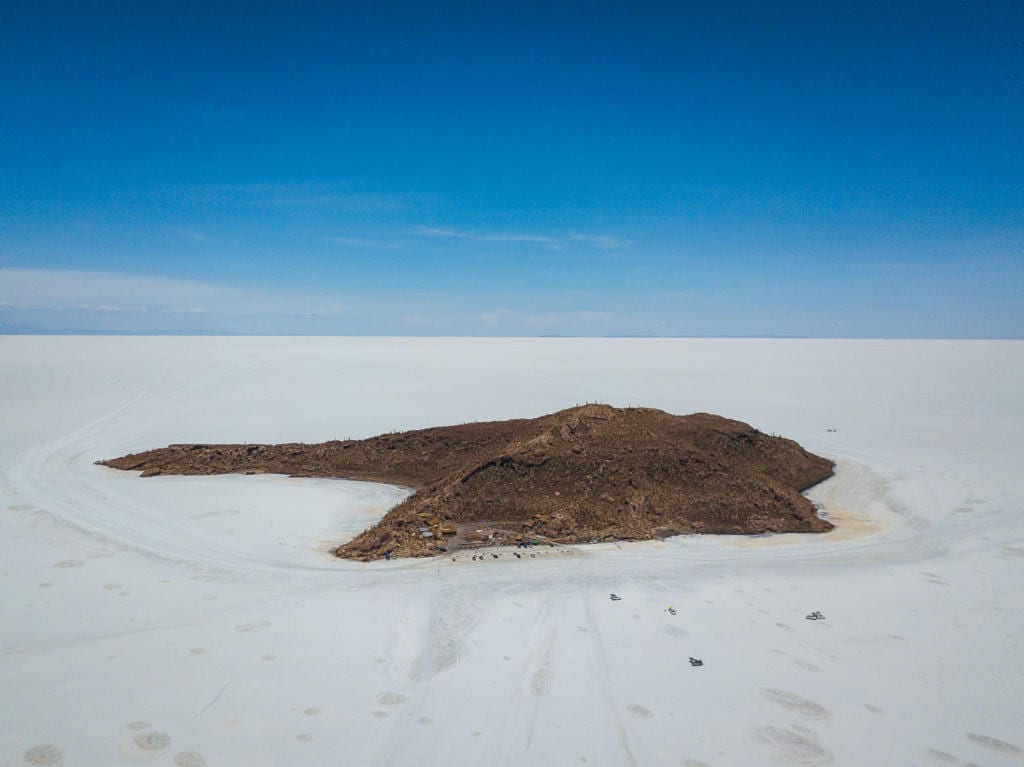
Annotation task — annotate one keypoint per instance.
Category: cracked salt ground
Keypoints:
(527, 653)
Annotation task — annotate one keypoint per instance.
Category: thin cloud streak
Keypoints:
(603, 241)
(430, 231)
(110, 292)
(65, 301)
(192, 235)
(606, 241)
(294, 195)
(360, 242)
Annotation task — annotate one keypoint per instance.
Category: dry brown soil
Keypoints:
(589, 473)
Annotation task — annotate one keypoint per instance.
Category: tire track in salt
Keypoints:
(452, 617)
(605, 682)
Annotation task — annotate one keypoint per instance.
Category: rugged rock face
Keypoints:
(588, 473)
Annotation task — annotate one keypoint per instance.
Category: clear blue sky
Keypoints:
(543, 168)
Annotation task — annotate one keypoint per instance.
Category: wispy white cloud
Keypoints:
(112, 308)
(430, 231)
(191, 235)
(61, 301)
(512, 321)
(563, 321)
(606, 241)
(298, 195)
(603, 241)
(110, 293)
(361, 242)
(64, 301)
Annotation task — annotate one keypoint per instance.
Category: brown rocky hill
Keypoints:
(587, 473)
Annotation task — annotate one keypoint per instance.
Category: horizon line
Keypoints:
(610, 336)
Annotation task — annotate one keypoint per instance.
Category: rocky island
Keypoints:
(589, 473)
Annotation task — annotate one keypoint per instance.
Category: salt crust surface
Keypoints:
(199, 620)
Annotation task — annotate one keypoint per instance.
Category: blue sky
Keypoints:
(560, 168)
